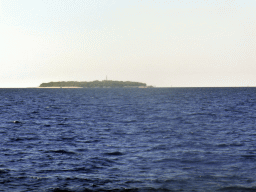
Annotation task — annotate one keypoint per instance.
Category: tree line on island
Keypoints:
(95, 84)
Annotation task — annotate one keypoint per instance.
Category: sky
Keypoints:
(164, 43)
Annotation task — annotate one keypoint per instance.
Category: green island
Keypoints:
(95, 84)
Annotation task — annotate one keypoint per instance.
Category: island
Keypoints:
(94, 84)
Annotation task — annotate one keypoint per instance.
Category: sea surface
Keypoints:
(128, 139)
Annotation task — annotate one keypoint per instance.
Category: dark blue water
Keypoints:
(161, 139)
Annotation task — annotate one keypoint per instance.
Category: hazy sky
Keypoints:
(159, 42)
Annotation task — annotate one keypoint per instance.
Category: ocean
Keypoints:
(128, 139)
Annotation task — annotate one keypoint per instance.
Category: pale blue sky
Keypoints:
(159, 42)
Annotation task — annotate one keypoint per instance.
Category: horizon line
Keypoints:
(121, 87)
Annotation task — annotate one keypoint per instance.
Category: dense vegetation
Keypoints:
(94, 84)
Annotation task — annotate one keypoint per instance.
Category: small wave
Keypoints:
(133, 181)
(191, 161)
(102, 162)
(23, 138)
(82, 150)
(129, 121)
(67, 138)
(3, 171)
(91, 141)
(237, 189)
(236, 144)
(61, 190)
(116, 153)
(230, 144)
(113, 190)
(16, 139)
(159, 147)
(16, 122)
(195, 114)
(249, 156)
(38, 178)
(100, 159)
(83, 169)
(84, 180)
(64, 124)
(222, 145)
(61, 151)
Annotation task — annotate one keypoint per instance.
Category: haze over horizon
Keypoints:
(203, 43)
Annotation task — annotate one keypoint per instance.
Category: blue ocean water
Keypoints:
(160, 139)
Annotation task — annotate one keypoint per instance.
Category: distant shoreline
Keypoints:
(94, 84)
(59, 87)
(89, 87)
(124, 87)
